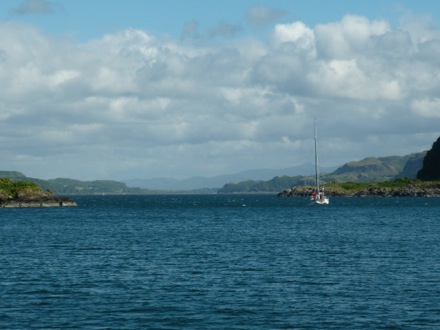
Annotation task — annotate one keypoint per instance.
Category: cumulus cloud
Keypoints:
(428, 107)
(132, 105)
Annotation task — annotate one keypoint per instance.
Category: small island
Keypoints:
(29, 194)
(398, 188)
(426, 183)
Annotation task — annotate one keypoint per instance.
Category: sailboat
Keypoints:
(318, 196)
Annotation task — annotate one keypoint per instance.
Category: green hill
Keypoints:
(373, 169)
(367, 170)
(62, 186)
(13, 175)
(10, 189)
(76, 187)
(276, 184)
(28, 194)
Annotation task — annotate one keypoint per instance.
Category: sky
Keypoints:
(138, 89)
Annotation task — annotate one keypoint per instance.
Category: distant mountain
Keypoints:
(62, 186)
(263, 180)
(200, 182)
(374, 169)
(413, 165)
(370, 169)
(13, 175)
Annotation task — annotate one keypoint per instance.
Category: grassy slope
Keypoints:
(352, 188)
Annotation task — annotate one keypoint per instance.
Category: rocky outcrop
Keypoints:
(398, 192)
(296, 192)
(431, 164)
(373, 191)
(34, 198)
(24, 203)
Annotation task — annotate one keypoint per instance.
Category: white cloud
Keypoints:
(298, 34)
(428, 107)
(347, 38)
(131, 104)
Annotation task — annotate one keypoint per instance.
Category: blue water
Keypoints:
(221, 262)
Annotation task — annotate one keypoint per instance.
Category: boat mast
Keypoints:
(316, 160)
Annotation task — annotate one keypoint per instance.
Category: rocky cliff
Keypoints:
(431, 164)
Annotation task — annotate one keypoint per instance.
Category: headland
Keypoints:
(28, 194)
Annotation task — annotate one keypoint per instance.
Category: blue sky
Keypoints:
(86, 19)
(107, 89)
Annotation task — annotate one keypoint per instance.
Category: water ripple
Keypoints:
(207, 262)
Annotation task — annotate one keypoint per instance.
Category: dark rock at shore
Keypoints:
(398, 192)
(431, 164)
(373, 191)
(35, 198)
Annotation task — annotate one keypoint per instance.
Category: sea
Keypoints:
(221, 262)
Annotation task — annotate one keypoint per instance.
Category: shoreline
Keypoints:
(373, 191)
(58, 202)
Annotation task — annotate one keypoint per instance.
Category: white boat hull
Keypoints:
(324, 201)
(320, 201)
